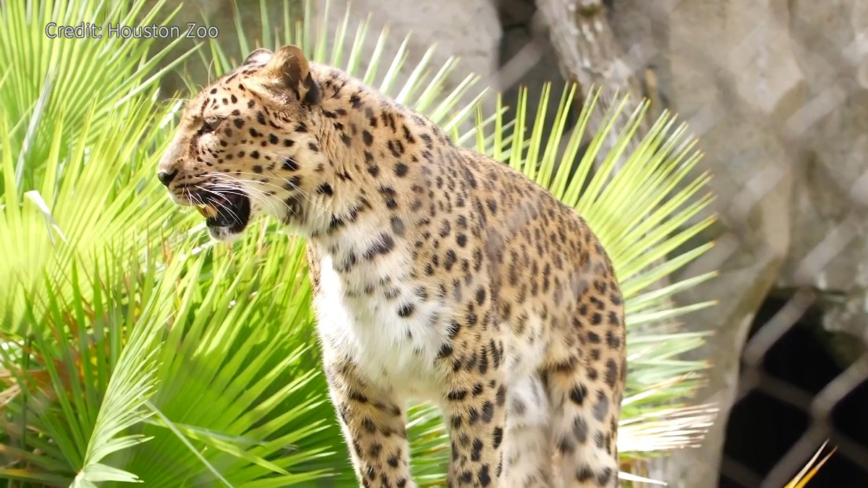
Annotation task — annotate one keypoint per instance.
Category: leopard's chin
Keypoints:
(223, 234)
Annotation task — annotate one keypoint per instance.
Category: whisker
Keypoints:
(256, 193)
(305, 194)
(253, 193)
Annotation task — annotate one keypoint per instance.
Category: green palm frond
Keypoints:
(134, 350)
(240, 344)
(43, 226)
(66, 102)
(133, 379)
(50, 78)
(81, 385)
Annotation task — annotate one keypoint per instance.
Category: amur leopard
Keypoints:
(439, 274)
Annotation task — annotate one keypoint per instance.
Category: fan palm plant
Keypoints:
(67, 101)
(134, 349)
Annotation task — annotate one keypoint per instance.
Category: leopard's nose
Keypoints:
(166, 177)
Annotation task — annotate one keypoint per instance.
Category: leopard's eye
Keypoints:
(211, 124)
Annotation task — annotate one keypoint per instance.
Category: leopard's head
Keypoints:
(248, 144)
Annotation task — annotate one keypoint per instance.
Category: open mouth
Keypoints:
(227, 210)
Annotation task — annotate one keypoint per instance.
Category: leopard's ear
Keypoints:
(258, 56)
(290, 69)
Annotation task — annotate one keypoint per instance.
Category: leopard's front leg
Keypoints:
(475, 409)
(374, 426)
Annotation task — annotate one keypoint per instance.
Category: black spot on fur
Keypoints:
(476, 451)
(492, 206)
(601, 408)
(604, 477)
(612, 340)
(406, 310)
(611, 372)
(383, 246)
(487, 412)
(358, 396)
(584, 474)
(289, 164)
(500, 396)
(389, 196)
(578, 394)
(498, 437)
(565, 446)
(398, 226)
(484, 477)
(580, 429)
(457, 395)
(453, 329)
(465, 477)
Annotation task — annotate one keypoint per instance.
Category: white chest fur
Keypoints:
(377, 318)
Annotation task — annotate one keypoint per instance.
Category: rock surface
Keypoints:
(832, 46)
(774, 90)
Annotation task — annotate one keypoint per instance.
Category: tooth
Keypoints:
(207, 211)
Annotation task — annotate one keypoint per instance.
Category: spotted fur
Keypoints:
(439, 274)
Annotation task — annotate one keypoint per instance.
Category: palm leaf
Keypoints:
(49, 78)
(810, 470)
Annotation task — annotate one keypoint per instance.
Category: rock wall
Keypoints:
(831, 39)
(775, 90)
